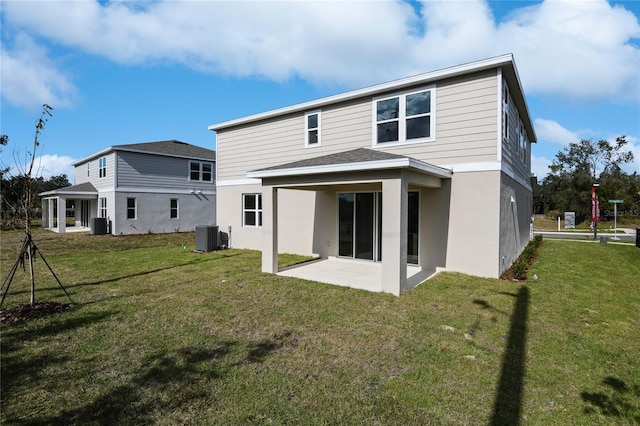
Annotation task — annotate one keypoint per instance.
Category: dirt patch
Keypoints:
(27, 312)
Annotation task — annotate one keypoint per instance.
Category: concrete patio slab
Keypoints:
(360, 274)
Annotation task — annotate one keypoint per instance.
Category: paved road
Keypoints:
(623, 235)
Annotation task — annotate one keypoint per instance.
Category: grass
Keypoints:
(165, 336)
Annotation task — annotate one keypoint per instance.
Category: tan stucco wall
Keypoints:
(296, 211)
(474, 223)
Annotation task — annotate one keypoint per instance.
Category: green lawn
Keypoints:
(162, 335)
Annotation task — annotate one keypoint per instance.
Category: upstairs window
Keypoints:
(102, 167)
(88, 169)
(404, 118)
(505, 112)
(200, 171)
(312, 124)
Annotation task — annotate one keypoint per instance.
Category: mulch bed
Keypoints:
(27, 312)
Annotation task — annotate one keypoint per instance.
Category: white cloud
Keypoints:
(30, 78)
(540, 167)
(47, 166)
(578, 49)
(551, 131)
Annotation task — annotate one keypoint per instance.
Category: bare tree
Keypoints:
(26, 202)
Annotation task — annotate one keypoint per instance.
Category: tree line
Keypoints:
(575, 170)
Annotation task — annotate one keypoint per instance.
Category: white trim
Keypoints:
(499, 113)
(138, 151)
(350, 167)
(486, 166)
(58, 192)
(318, 128)
(172, 191)
(398, 85)
(236, 182)
(491, 166)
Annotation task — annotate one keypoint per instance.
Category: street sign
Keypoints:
(616, 201)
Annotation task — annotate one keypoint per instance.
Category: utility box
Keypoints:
(98, 225)
(206, 238)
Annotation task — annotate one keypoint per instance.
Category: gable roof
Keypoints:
(348, 161)
(172, 148)
(505, 62)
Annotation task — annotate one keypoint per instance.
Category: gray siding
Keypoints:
(155, 171)
(512, 158)
(466, 131)
(103, 183)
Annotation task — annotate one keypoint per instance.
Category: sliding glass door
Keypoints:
(360, 226)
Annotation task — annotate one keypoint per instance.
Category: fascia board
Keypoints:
(352, 167)
(139, 151)
(373, 90)
(92, 156)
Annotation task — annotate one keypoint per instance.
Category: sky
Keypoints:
(120, 72)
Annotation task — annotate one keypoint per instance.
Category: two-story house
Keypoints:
(429, 172)
(153, 187)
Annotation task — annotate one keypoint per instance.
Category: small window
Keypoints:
(88, 169)
(200, 171)
(131, 208)
(173, 209)
(103, 207)
(312, 122)
(102, 167)
(252, 209)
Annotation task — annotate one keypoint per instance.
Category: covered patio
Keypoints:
(386, 181)
(54, 208)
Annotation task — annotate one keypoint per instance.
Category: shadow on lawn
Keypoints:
(19, 368)
(167, 382)
(507, 407)
(620, 400)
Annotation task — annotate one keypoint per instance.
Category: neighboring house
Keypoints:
(153, 187)
(432, 171)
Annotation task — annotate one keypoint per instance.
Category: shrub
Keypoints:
(521, 265)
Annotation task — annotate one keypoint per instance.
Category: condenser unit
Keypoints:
(206, 238)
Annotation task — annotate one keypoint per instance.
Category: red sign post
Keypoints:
(595, 211)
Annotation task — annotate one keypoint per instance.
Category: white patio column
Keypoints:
(50, 213)
(269, 229)
(45, 213)
(62, 215)
(394, 235)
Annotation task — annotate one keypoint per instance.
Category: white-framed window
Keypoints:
(251, 209)
(102, 167)
(173, 208)
(131, 208)
(312, 129)
(404, 118)
(88, 169)
(200, 171)
(505, 112)
(103, 207)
